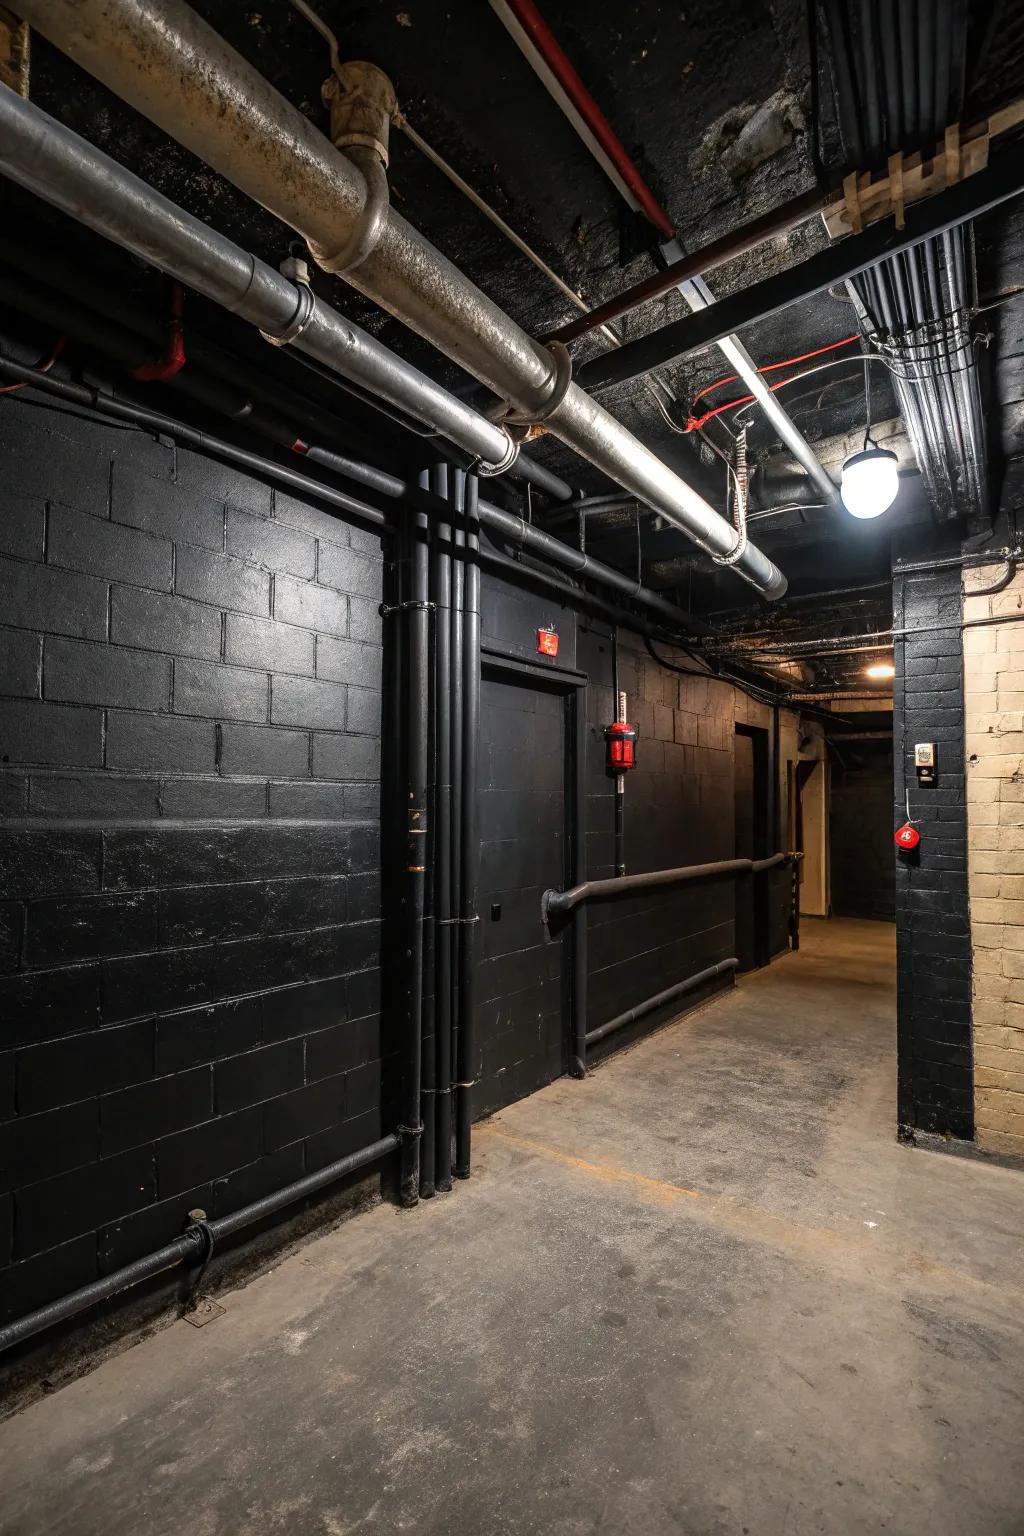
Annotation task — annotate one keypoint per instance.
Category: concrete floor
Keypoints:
(703, 1292)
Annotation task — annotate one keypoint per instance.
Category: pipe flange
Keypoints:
(370, 224)
(557, 390)
(301, 318)
(505, 463)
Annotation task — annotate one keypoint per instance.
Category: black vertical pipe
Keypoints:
(907, 13)
(458, 786)
(432, 913)
(470, 833)
(415, 820)
(577, 873)
(776, 822)
(446, 483)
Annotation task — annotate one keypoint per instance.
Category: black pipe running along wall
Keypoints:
(195, 684)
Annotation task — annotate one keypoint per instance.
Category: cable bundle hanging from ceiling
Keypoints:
(898, 73)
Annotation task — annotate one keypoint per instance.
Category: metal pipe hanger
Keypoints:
(171, 65)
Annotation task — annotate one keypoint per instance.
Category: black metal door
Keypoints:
(750, 788)
(522, 974)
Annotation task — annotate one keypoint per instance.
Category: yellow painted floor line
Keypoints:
(863, 1258)
(608, 1171)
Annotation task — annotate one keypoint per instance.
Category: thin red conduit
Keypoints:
(554, 56)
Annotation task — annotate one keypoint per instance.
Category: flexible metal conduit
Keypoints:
(163, 59)
(558, 903)
(669, 995)
(193, 1247)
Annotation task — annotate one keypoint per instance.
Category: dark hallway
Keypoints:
(511, 768)
(732, 1299)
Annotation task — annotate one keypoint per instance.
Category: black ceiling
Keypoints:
(675, 81)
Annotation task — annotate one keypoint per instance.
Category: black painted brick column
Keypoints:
(935, 1065)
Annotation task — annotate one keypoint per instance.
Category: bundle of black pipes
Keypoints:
(899, 77)
(449, 918)
(410, 666)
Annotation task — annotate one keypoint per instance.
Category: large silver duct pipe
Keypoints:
(50, 160)
(163, 59)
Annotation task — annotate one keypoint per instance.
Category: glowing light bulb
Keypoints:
(881, 669)
(869, 483)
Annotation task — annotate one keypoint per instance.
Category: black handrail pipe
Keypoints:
(554, 904)
(192, 1247)
(669, 995)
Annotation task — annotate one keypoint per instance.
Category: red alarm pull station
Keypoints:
(620, 740)
(547, 642)
(907, 838)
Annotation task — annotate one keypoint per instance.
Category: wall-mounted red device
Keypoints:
(620, 746)
(547, 642)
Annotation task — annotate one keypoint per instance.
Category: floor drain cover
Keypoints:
(204, 1311)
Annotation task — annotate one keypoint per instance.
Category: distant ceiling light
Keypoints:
(880, 669)
(870, 482)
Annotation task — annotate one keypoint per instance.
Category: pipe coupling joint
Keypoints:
(305, 303)
(504, 464)
(555, 391)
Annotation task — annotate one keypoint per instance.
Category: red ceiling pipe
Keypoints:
(173, 358)
(546, 44)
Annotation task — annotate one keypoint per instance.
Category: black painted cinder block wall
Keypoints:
(190, 674)
(935, 1075)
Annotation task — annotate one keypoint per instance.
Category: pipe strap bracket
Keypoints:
(371, 222)
(202, 1233)
(555, 390)
(385, 608)
(306, 303)
(735, 554)
(504, 464)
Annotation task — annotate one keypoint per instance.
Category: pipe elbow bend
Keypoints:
(369, 226)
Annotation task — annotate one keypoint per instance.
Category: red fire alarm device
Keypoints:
(907, 838)
(547, 642)
(620, 742)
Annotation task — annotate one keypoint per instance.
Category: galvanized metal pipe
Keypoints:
(163, 59)
(58, 165)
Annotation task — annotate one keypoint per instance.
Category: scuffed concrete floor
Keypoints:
(703, 1292)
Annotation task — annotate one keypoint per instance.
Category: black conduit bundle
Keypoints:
(898, 71)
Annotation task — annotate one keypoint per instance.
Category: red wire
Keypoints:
(770, 367)
(42, 367)
(694, 423)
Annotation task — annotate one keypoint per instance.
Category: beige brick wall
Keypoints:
(994, 745)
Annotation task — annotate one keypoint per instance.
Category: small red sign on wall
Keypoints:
(547, 642)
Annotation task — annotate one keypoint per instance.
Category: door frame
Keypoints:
(761, 793)
(572, 686)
